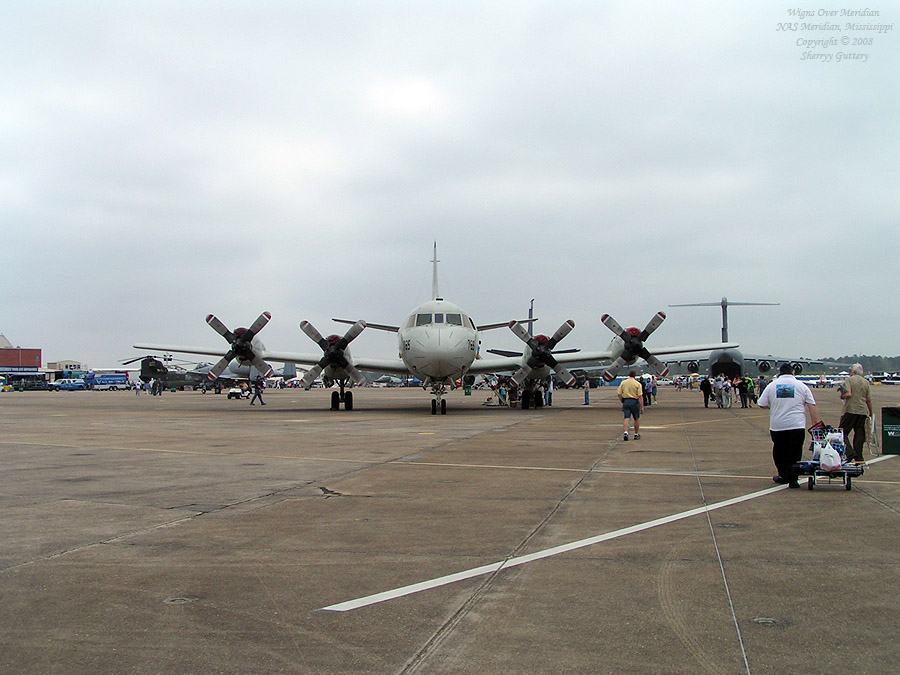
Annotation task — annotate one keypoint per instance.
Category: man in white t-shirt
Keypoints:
(788, 400)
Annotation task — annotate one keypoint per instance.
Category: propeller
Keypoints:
(241, 341)
(333, 352)
(634, 345)
(541, 352)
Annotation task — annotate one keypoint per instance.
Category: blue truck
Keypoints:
(68, 384)
(111, 381)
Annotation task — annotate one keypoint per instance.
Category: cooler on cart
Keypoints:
(826, 437)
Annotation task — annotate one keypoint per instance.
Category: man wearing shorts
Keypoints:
(631, 396)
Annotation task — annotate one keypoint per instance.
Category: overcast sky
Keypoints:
(163, 160)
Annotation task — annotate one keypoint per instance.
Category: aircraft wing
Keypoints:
(515, 362)
(583, 357)
(508, 363)
(686, 349)
(784, 359)
(387, 366)
(281, 357)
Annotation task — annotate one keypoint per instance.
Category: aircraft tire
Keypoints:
(443, 406)
(434, 406)
(335, 401)
(348, 401)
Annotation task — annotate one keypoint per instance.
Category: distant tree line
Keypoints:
(871, 364)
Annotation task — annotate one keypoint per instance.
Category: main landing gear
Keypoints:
(345, 397)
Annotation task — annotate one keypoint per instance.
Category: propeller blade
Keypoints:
(310, 377)
(661, 368)
(564, 375)
(220, 328)
(519, 331)
(521, 375)
(652, 325)
(352, 333)
(560, 333)
(357, 376)
(313, 334)
(610, 373)
(612, 324)
(220, 366)
(264, 368)
(258, 325)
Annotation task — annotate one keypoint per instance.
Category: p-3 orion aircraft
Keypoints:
(438, 343)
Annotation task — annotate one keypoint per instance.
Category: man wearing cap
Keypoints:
(788, 400)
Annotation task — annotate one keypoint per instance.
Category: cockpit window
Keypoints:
(423, 319)
(471, 323)
(454, 319)
(439, 318)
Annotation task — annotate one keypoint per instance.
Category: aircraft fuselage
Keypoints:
(727, 362)
(438, 342)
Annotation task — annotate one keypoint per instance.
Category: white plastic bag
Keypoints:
(829, 459)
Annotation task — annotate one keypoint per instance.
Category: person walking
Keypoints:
(788, 400)
(718, 388)
(854, 393)
(632, 398)
(706, 389)
(258, 387)
(742, 391)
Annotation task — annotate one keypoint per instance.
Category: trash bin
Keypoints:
(890, 431)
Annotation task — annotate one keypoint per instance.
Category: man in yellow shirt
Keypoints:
(632, 398)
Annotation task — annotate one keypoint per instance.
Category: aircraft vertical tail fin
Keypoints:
(435, 295)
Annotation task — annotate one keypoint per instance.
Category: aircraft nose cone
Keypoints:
(441, 354)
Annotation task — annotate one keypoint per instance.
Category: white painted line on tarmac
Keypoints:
(547, 553)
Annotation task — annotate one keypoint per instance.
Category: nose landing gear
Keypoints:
(437, 390)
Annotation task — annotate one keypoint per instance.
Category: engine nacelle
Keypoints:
(693, 367)
(617, 347)
(797, 367)
(764, 366)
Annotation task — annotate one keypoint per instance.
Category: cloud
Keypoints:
(166, 161)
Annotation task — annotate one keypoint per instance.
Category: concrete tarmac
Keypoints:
(194, 534)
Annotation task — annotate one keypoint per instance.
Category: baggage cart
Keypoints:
(812, 468)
